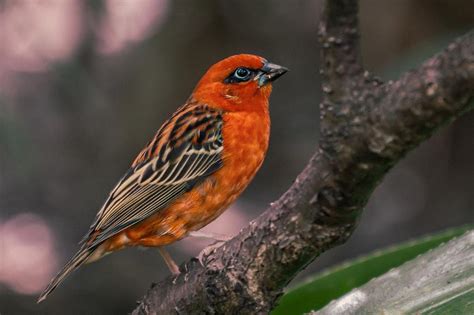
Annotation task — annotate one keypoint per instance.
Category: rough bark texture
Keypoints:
(366, 127)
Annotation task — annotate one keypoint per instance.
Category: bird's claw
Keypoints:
(208, 250)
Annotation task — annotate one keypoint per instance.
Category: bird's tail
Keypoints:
(79, 259)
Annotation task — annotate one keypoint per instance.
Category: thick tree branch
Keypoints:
(366, 127)
(339, 38)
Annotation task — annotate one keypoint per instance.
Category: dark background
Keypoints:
(84, 85)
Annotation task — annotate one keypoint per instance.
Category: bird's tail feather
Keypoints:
(79, 259)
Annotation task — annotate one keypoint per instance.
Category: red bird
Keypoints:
(197, 164)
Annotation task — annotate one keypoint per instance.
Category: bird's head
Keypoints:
(240, 82)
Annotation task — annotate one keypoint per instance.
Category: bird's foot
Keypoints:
(209, 250)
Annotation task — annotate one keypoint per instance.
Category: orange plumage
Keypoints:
(197, 164)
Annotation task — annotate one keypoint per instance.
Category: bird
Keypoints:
(199, 161)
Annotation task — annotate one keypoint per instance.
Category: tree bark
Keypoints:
(366, 127)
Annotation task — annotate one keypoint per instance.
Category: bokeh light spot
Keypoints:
(27, 253)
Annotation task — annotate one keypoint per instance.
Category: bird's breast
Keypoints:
(246, 137)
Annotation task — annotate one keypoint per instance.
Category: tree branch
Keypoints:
(366, 127)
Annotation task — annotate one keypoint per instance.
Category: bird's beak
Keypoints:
(269, 73)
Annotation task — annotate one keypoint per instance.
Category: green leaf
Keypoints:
(333, 283)
(459, 304)
(440, 281)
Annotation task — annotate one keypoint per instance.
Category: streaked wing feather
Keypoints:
(185, 150)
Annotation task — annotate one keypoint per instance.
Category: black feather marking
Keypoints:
(147, 173)
(177, 152)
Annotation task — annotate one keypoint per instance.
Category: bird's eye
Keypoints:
(242, 74)
(239, 75)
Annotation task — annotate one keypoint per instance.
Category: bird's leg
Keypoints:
(169, 261)
(210, 235)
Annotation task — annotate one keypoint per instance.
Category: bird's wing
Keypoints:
(184, 151)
